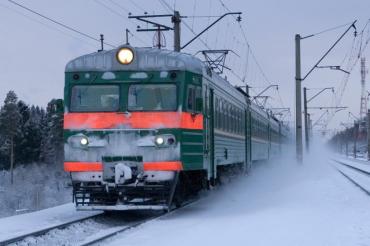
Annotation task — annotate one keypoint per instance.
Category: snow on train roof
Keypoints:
(145, 59)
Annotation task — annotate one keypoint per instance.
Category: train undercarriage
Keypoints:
(139, 195)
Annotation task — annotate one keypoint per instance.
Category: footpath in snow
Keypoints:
(280, 204)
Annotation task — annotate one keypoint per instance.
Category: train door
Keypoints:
(208, 133)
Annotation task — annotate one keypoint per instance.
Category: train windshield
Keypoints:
(94, 98)
(153, 97)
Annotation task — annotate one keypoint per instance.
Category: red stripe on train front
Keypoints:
(77, 166)
(141, 120)
(163, 166)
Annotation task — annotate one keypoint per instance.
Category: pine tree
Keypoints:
(20, 141)
(10, 121)
(28, 143)
(52, 128)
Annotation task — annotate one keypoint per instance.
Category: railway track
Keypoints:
(46, 230)
(84, 231)
(101, 238)
(88, 231)
(360, 177)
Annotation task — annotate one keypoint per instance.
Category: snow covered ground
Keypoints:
(15, 226)
(36, 186)
(279, 204)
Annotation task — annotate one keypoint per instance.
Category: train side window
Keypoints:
(231, 112)
(216, 113)
(235, 120)
(219, 114)
(227, 117)
(191, 98)
(232, 120)
(224, 120)
(239, 122)
(194, 99)
(198, 99)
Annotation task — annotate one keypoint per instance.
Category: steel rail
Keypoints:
(46, 230)
(353, 181)
(125, 228)
(353, 167)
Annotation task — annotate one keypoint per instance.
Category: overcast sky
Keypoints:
(34, 51)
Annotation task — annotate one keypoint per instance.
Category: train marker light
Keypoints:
(125, 55)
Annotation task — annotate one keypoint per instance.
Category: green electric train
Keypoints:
(145, 127)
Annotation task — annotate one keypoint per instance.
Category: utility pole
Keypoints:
(306, 115)
(368, 135)
(299, 79)
(298, 100)
(306, 133)
(309, 125)
(363, 107)
(176, 19)
(356, 126)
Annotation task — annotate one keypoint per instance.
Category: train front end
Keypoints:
(123, 126)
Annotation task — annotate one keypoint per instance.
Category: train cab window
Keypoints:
(194, 99)
(94, 98)
(152, 97)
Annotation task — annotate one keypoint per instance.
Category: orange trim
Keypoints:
(163, 166)
(142, 120)
(83, 166)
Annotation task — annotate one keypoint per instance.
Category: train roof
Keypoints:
(146, 59)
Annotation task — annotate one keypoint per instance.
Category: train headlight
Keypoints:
(165, 140)
(79, 141)
(125, 55)
(159, 140)
(84, 141)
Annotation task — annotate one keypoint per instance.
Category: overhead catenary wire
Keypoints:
(357, 49)
(59, 23)
(137, 5)
(331, 29)
(112, 10)
(167, 7)
(250, 51)
(48, 26)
